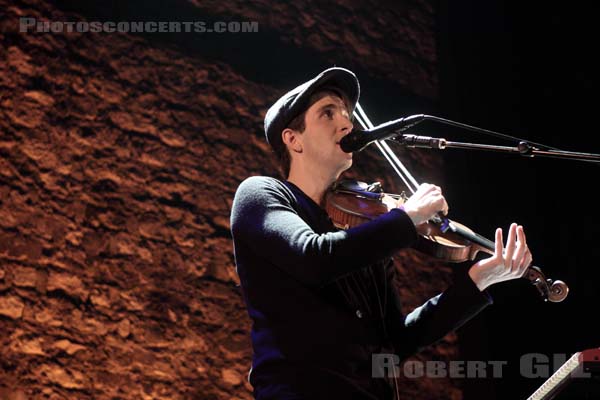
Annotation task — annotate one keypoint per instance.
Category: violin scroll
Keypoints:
(555, 291)
(350, 203)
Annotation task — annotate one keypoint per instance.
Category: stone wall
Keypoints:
(119, 158)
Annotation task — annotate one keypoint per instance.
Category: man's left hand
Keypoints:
(506, 263)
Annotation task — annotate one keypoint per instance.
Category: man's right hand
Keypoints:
(425, 203)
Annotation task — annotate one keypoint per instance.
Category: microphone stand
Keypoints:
(557, 289)
(524, 148)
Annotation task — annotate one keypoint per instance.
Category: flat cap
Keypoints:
(294, 102)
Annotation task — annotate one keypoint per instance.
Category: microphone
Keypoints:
(426, 142)
(359, 139)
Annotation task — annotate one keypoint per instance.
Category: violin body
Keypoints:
(350, 203)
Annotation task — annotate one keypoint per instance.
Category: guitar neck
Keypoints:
(584, 365)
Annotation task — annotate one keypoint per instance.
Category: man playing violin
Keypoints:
(321, 299)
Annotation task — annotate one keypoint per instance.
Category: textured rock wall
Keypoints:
(119, 158)
(393, 41)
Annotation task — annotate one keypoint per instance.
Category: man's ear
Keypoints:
(291, 138)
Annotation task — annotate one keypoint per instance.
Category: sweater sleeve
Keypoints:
(263, 219)
(434, 319)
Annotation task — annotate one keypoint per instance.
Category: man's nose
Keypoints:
(347, 125)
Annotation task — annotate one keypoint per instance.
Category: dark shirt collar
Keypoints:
(297, 190)
(313, 214)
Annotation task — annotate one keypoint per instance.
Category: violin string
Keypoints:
(394, 195)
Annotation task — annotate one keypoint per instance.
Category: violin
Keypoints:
(350, 203)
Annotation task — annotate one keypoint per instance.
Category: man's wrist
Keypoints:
(411, 214)
(477, 278)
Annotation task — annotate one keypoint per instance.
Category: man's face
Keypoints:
(327, 121)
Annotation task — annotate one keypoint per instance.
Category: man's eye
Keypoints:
(328, 114)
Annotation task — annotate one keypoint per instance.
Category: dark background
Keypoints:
(524, 70)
